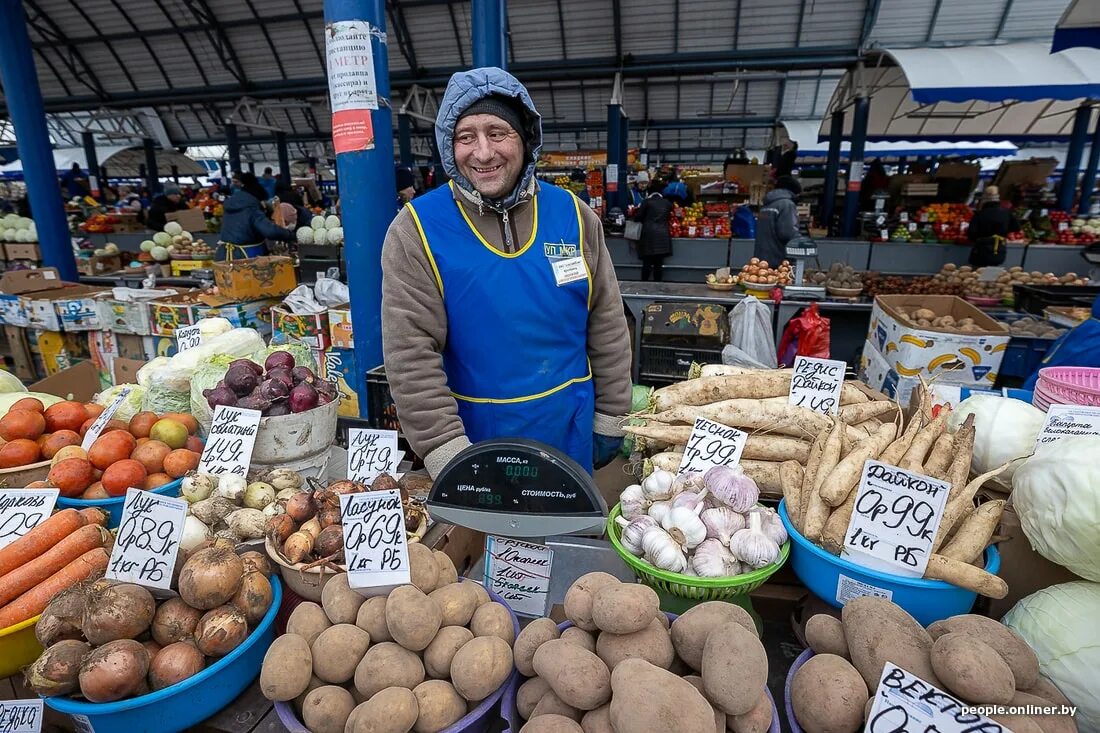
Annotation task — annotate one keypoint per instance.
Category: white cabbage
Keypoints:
(173, 228)
(305, 235)
(317, 222)
(335, 236)
(332, 221)
(1004, 429)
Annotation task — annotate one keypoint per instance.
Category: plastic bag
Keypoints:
(807, 334)
(129, 406)
(169, 385)
(206, 376)
(751, 336)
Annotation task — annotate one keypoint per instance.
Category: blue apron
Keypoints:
(516, 355)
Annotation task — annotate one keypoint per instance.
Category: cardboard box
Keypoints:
(103, 347)
(27, 252)
(16, 283)
(256, 278)
(62, 350)
(748, 174)
(163, 346)
(21, 355)
(139, 348)
(99, 264)
(339, 368)
(291, 328)
(130, 316)
(126, 370)
(339, 327)
(182, 267)
(248, 314)
(69, 308)
(192, 220)
(173, 311)
(124, 222)
(970, 359)
(78, 382)
(695, 323)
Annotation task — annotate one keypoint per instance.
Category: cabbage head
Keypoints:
(10, 383)
(1004, 429)
(129, 407)
(303, 355)
(206, 376)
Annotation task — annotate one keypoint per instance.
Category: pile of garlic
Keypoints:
(707, 525)
(230, 507)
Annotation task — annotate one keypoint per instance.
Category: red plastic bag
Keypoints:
(805, 335)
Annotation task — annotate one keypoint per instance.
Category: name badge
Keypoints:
(569, 270)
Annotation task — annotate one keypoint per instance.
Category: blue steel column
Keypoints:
(24, 100)
(151, 175)
(624, 157)
(404, 140)
(284, 156)
(489, 19)
(614, 134)
(1077, 140)
(367, 204)
(1088, 181)
(859, 140)
(832, 169)
(92, 163)
(233, 149)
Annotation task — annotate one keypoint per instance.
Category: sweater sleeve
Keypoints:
(268, 228)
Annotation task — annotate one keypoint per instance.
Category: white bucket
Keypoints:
(297, 439)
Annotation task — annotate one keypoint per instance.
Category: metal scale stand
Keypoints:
(799, 250)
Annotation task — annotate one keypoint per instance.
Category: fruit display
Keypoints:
(176, 243)
(875, 283)
(696, 221)
(721, 277)
(927, 318)
(279, 387)
(758, 272)
(188, 249)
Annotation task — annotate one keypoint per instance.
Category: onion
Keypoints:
(198, 486)
(300, 507)
(257, 495)
(210, 577)
(328, 517)
(231, 487)
(112, 612)
(175, 663)
(297, 547)
(174, 621)
(194, 534)
(57, 670)
(151, 648)
(312, 528)
(330, 543)
(254, 562)
(254, 597)
(114, 671)
(62, 618)
(221, 630)
(279, 360)
(279, 528)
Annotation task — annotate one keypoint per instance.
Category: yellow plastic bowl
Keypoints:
(18, 647)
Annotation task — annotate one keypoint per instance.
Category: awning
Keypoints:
(1078, 27)
(805, 133)
(121, 161)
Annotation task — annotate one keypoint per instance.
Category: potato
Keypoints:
(757, 720)
(439, 704)
(1049, 723)
(286, 668)
(624, 608)
(690, 630)
(825, 635)
(577, 676)
(393, 710)
(879, 631)
(652, 644)
(307, 620)
(598, 720)
(387, 665)
(647, 698)
(338, 651)
(481, 666)
(493, 619)
(578, 599)
(1006, 642)
(551, 704)
(580, 637)
(529, 694)
(423, 567)
(531, 638)
(1047, 690)
(372, 619)
(719, 717)
(340, 602)
(551, 724)
(413, 619)
(1018, 723)
(972, 670)
(735, 668)
(447, 573)
(326, 709)
(438, 655)
(457, 601)
(828, 695)
(314, 683)
(482, 594)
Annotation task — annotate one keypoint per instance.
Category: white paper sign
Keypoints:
(104, 418)
(1068, 421)
(376, 548)
(850, 588)
(904, 703)
(21, 510)
(21, 716)
(351, 82)
(232, 438)
(372, 453)
(148, 539)
(712, 444)
(519, 572)
(188, 337)
(896, 517)
(816, 384)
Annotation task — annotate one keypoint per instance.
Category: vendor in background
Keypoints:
(989, 228)
(245, 223)
(639, 188)
(267, 182)
(75, 182)
(655, 244)
(777, 221)
(875, 179)
(166, 203)
(501, 313)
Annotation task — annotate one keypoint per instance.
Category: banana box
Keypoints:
(876, 373)
(969, 355)
(339, 368)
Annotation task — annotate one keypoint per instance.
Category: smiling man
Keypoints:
(501, 313)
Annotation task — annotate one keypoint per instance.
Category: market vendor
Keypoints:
(501, 312)
(245, 223)
(777, 221)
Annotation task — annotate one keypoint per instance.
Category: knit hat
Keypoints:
(508, 109)
(171, 190)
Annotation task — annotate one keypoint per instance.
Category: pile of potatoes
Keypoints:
(621, 668)
(975, 658)
(416, 660)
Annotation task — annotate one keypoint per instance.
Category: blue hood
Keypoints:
(467, 87)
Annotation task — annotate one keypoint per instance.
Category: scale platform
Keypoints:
(809, 292)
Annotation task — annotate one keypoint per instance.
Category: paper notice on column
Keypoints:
(351, 82)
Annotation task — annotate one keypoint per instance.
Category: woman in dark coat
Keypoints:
(656, 243)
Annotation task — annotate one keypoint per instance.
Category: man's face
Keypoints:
(174, 198)
(489, 153)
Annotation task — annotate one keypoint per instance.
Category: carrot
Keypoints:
(28, 575)
(40, 539)
(975, 532)
(35, 600)
(857, 413)
(95, 515)
(966, 576)
(940, 457)
(913, 459)
(844, 477)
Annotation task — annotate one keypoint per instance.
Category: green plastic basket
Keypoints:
(692, 587)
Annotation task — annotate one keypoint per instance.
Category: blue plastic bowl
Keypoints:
(927, 601)
(113, 506)
(190, 702)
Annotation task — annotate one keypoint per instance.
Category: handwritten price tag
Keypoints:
(21, 510)
(905, 702)
(376, 548)
(816, 384)
(21, 716)
(232, 438)
(148, 539)
(896, 517)
(712, 444)
(372, 453)
(519, 572)
(104, 418)
(1068, 421)
(188, 337)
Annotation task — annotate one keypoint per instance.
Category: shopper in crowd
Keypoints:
(245, 222)
(289, 194)
(777, 221)
(989, 229)
(166, 203)
(655, 243)
(785, 161)
(267, 180)
(129, 202)
(501, 313)
(640, 188)
(875, 180)
(74, 182)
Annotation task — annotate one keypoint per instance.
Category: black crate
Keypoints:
(1036, 298)
(664, 363)
(381, 410)
(310, 270)
(321, 252)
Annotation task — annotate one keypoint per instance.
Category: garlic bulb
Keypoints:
(721, 523)
(688, 482)
(659, 509)
(732, 486)
(657, 486)
(713, 560)
(689, 499)
(685, 526)
(752, 546)
(663, 551)
(632, 531)
(771, 524)
(632, 501)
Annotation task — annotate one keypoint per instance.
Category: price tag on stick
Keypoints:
(712, 444)
(816, 384)
(904, 703)
(21, 716)
(1068, 421)
(895, 519)
(232, 438)
(372, 453)
(188, 337)
(104, 418)
(148, 539)
(21, 510)
(376, 548)
(519, 572)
